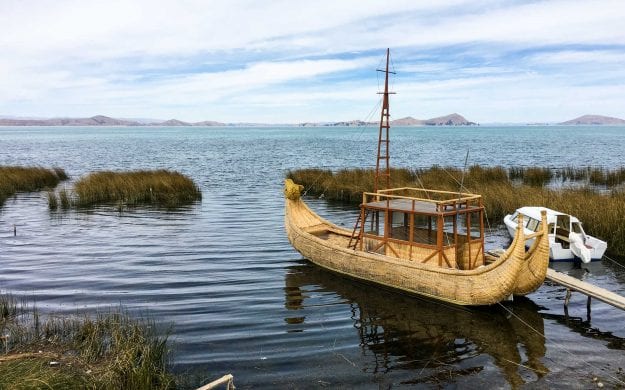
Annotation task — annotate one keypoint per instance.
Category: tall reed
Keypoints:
(109, 350)
(65, 199)
(159, 187)
(15, 179)
(53, 201)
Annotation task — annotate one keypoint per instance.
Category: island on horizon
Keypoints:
(454, 119)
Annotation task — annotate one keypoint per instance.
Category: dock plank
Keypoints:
(586, 288)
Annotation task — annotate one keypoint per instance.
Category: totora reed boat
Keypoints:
(419, 241)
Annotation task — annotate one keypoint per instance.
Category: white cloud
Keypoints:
(233, 60)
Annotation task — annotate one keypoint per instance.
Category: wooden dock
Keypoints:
(591, 290)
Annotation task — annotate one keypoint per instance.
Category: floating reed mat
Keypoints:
(108, 350)
(17, 179)
(158, 187)
(602, 213)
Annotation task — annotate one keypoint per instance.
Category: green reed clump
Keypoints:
(15, 179)
(107, 351)
(158, 187)
(602, 214)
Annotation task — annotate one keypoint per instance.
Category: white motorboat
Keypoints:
(567, 239)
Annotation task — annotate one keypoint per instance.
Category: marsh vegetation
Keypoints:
(110, 350)
(161, 188)
(15, 179)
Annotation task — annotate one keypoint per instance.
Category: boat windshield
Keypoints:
(563, 224)
(577, 228)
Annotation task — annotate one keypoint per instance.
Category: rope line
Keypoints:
(614, 261)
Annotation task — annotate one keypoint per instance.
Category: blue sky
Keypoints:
(297, 61)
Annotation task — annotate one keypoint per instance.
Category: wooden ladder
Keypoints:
(355, 238)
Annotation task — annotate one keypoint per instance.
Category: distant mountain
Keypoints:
(209, 123)
(172, 122)
(101, 120)
(408, 121)
(98, 120)
(594, 120)
(447, 120)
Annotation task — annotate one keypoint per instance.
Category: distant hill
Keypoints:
(447, 120)
(209, 123)
(172, 122)
(98, 120)
(101, 120)
(594, 120)
(408, 121)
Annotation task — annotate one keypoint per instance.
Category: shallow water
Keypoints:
(243, 301)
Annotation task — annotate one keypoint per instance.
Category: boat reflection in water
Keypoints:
(437, 341)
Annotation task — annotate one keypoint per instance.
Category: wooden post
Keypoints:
(567, 298)
(439, 239)
(469, 238)
(411, 233)
(386, 224)
(362, 225)
(456, 230)
(481, 229)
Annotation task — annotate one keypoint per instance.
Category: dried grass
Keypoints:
(17, 179)
(159, 187)
(107, 351)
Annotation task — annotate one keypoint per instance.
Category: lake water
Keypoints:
(242, 301)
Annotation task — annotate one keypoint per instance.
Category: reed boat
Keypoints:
(420, 241)
(423, 247)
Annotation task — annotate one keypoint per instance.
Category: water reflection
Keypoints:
(410, 333)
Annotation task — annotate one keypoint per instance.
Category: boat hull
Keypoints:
(557, 253)
(309, 234)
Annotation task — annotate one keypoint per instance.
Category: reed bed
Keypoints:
(533, 176)
(601, 213)
(159, 187)
(16, 179)
(107, 351)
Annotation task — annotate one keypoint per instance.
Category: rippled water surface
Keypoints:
(241, 300)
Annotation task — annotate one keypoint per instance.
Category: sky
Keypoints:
(307, 61)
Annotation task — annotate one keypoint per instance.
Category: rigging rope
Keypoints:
(354, 137)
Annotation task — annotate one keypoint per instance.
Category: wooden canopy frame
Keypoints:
(437, 206)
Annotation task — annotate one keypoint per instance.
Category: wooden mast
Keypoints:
(383, 154)
(383, 140)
